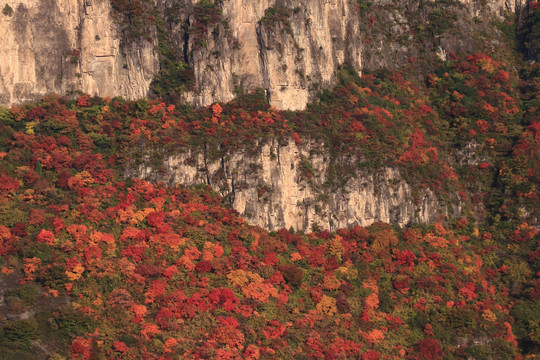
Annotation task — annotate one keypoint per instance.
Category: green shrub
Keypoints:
(478, 352)
(527, 325)
(21, 331)
(72, 324)
(8, 10)
(28, 293)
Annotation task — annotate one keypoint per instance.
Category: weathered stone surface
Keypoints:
(272, 188)
(294, 59)
(69, 45)
(290, 59)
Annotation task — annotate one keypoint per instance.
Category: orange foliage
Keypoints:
(436, 241)
(371, 302)
(327, 306)
(148, 330)
(78, 232)
(383, 240)
(30, 267)
(172, 240)
(331, 282)
(374, 336)
(295, 256)
(260, 291)
(252, 352)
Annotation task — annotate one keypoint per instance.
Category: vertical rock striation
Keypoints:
(286, 185)
(68, 46)
(292, 49)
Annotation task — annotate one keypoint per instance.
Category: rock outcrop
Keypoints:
(69, 46)
(295, 49)
(285, 185)
(291, 49)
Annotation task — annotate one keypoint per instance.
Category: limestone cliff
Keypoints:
(66, 46)
(283, 185)
(291, 49)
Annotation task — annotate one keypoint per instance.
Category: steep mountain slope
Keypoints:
(290, 49)
(96, 266)
(409, 191)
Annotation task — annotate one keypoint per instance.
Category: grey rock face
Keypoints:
(76, 45)
(68, 46)
(286, 185)
(294, 58)
(291, 56)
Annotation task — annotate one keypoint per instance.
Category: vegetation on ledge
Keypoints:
(97, 266)
(111, 267)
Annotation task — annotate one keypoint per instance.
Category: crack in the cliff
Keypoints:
(278, 159)
(262, 63)
(80, 28)
(205, 158)
(185, 49)
(233, 192)
(230, 195)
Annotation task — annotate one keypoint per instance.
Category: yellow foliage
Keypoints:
(238, 278)
(21, 170)
(76, 273)
(140, 216)
(489, 315)
(86, 178)
(347, 271)
(335, 247)
(29, 127)
(486, 65)
(327, 306)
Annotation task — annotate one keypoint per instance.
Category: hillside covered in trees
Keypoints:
(98, 265)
